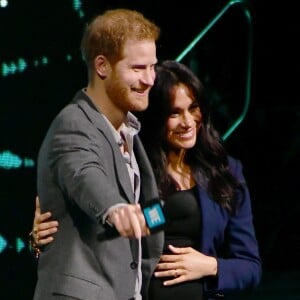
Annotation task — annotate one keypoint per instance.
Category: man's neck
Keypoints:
(102, 102)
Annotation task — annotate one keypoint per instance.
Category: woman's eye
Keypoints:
(174, 114)
(194, 107)
(195, 110)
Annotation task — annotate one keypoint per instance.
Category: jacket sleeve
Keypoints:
(83, 165)
(239, 264)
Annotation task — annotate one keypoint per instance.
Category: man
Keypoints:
(93, 172)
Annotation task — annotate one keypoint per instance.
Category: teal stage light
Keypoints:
(8, 160)
(18, 247)
(3, 243)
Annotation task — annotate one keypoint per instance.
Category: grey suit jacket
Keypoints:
(80, 174)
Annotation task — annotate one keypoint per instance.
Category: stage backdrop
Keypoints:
(41, 69)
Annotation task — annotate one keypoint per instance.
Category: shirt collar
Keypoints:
(130, 127)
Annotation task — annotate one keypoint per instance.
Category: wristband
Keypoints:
(33, 246)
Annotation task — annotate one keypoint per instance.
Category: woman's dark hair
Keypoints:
(207, 156)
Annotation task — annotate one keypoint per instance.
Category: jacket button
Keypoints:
(133, 265)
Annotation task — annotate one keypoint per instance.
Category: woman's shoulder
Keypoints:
(235, 165)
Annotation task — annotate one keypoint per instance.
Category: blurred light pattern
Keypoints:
(3, 3)
(19, 244)
(8, 160)
(3, 243)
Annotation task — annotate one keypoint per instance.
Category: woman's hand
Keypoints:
(185, 264)
(43, 228)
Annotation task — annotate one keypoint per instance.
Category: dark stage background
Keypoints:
(41, 69)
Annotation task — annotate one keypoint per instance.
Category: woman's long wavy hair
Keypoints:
(208, 157)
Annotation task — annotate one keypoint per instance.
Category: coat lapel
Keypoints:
(100, 123)
(213, 217)
(148, 184)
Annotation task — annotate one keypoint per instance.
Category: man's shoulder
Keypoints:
(73, 110)
(67, 115)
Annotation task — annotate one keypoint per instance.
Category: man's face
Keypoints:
(131, 78)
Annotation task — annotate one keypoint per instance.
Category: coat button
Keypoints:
(133, 265)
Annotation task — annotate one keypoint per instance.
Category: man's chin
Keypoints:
(140, 106)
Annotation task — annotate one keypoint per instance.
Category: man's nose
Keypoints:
(148, 77)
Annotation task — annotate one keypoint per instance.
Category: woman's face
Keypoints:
(184, 120)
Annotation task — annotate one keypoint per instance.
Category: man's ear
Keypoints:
(101, 66)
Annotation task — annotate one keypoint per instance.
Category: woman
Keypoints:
(210, 243)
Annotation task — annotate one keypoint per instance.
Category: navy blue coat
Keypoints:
(231, 239)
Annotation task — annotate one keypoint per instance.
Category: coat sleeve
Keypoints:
(239, 265)
(83, 165)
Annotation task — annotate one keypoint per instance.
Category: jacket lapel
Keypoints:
(148, 184)
(100, 123)
(213, 216)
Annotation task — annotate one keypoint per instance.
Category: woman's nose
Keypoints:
(187, 120)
